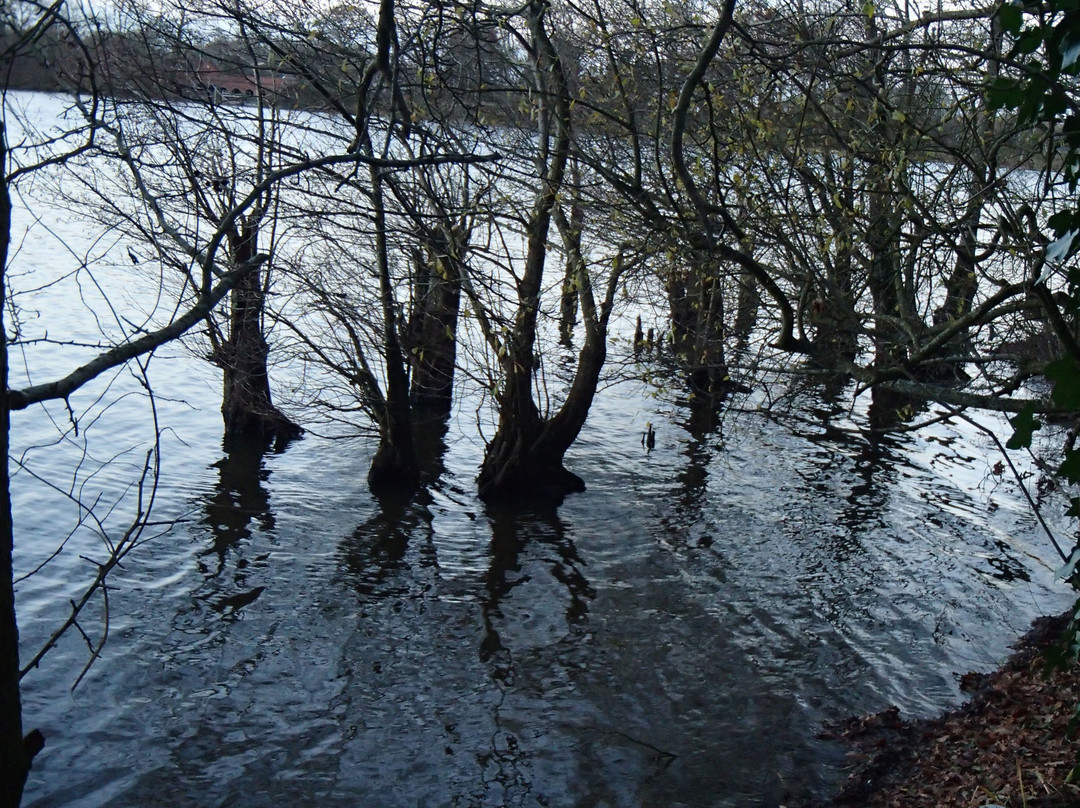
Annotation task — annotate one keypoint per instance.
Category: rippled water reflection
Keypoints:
(677, 635)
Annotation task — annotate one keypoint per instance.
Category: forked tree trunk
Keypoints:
(524, 458)
(247, 406)
(522, 462)
(527, 463)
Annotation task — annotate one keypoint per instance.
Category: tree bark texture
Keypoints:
(524, 458)
(433, 328)
(14, 753)
(395, 467)
(247, 407)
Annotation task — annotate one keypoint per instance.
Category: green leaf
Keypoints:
(1024, 425)
(1029, 41)
(1074, 507)
(1011, 18)
(1063, 221)
(1054, 104)
(1070, 466)
(1005, 94)
(1065, 375)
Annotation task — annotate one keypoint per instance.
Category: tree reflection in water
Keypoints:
(240, 497)
(511, 532)
(374, 555)
(524, 651)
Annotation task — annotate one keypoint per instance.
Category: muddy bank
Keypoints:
(1007, 746)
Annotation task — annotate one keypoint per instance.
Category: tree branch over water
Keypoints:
(208, 299)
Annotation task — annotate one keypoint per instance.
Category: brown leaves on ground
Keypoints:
(1008, 746)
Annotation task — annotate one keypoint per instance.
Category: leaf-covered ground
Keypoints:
(1007, 746)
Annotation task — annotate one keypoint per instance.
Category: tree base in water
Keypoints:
(267, 428)
(393, 473)
(528, 484)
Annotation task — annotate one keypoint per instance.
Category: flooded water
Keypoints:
(677, 635)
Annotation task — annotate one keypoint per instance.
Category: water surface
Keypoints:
(677, 635)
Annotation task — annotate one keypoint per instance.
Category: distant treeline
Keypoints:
(27, 69)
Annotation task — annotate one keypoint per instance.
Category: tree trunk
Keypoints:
(519, 463)
(246, 406)
(567, 309)
(524, 459)
(746, 310)
(884, 278)
(962, 284)
(832, 307)
(960, 289)
(433, 330)
(395, 467)
(530, 465)
(695, 299)
(15, 754)
(568, 303)
(890, 288)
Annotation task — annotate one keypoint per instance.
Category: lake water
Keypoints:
(678, 635)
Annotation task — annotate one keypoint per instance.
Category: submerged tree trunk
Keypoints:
(531, 466)
(433, 328)
(395, 466)
(525, 457)
(526, 462)
(15, 755)
(242, 355)
(696, 305)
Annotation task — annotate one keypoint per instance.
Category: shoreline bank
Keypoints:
(1007, 746)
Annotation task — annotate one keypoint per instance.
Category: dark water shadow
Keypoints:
(849, 473)
(529, 637)
(540, 532)
(239, 505)
(702, 421)
(234, 513)
(375, 556)
(890, 411)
